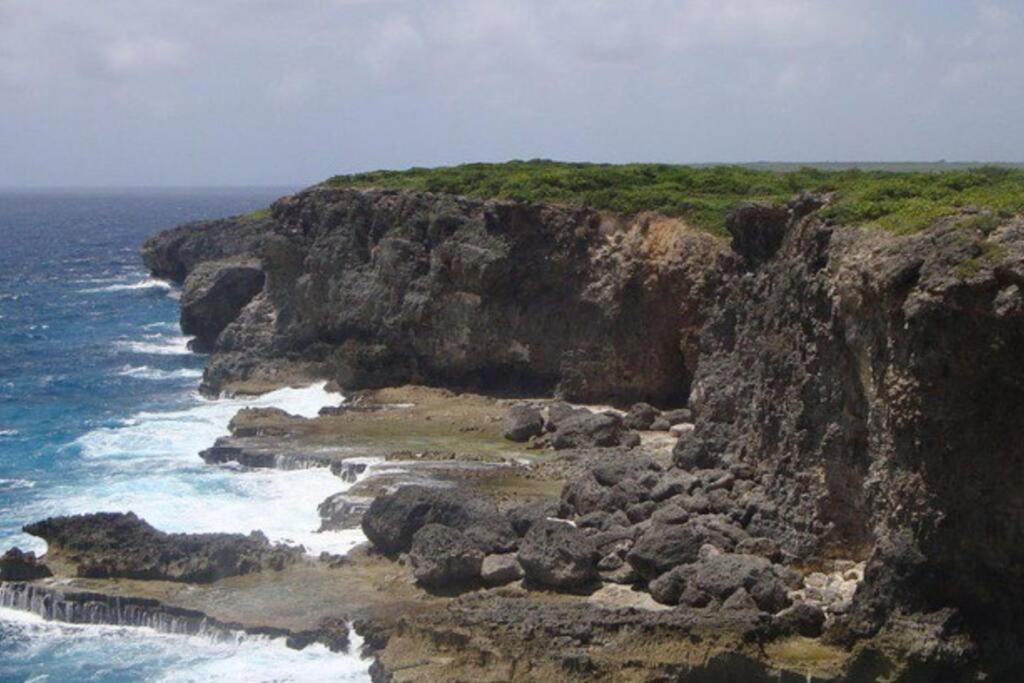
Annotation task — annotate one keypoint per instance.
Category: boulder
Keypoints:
(722, 575)
(522, 517)
(803, 619)
(663, 547)
(641, 416)
(443, 557)
(392, 520)
(668, 588)
(16, 565)
(559, 555)
(522, 422)
(498, 570)
(673, 483)
(592, 430)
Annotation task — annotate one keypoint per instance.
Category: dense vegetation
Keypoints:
(703, 195)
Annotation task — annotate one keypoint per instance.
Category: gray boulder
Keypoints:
(392, 520)
(559, 555)
(498, 570)
(641, 416)
(592, 430)
(663, 547)
(722, 575)
(443, 557)
(522, 422)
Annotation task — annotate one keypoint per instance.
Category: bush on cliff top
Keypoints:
(902, 202)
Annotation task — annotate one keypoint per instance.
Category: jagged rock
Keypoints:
(16, 565)
(740, 600)
(660, 424)
(443, 557)
(722, 575)
(249, 422)
(801, 619)
(663, 547)
(116, 545)
(392, 520)
(498, 570)
(673, 483)
(670, 514)
(669, 587)
(522, 517)
(559, 555)
(429, 287)
(213, 295)
(588, 431)
(522, 422)
(641, 416)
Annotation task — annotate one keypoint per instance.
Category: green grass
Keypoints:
(898, 201)
(257, 215)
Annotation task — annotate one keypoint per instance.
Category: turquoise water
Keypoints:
(99, 411)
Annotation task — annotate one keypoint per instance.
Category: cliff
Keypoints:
(380, 287)
(862, 386)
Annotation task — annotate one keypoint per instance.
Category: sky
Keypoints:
(288, 92)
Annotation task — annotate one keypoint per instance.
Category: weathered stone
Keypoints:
(801, 619)
(588, 431)
(498, 570)
(393, 519)
(213, 295)
(641, 416)
(443, 557)
(557, 554)
(522, 422)
(16, 565)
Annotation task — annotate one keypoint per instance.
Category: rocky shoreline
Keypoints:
(807, 442)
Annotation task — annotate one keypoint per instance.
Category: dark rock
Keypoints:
(722, 575)
(522, 517)
(16, 565)
(392, 520)
(498, 570)
(114, 545)
(663, 547)
(214, 294)
(801, 619)
(522, 422)
(557, 554)
(757, 229)
(670, 514)
(588, 431)
(673, 483)
(669, 587)
(641, 511)
(630, 440)
(559, 411)
(641, 416)
(765, 547)
(660, 425)
(740, 600)
(443, 557)
(678, 416)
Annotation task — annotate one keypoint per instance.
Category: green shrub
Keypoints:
(899, 201)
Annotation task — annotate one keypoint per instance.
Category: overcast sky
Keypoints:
(230, 92)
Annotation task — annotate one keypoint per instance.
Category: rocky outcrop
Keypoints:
(872, 384)
(116, 545)
(16, 565)
(215, 292)
(379, 287)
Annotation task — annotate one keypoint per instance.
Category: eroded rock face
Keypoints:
(215, 292)
(873, 382)
(381, 287)
(116, 545)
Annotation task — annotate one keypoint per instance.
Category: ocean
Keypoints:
(99, 412)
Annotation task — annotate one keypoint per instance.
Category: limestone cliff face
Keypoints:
(875, 383)
(872, 381)
(376, 287)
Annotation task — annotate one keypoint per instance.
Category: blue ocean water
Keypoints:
(99, 411)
